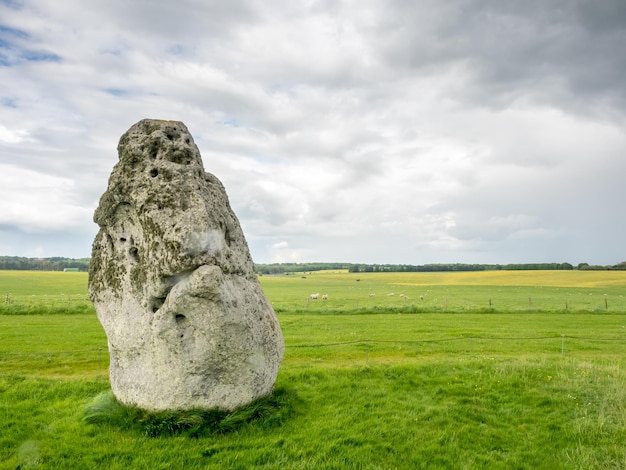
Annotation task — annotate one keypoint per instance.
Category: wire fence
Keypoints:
(366, 349)
(546, 301)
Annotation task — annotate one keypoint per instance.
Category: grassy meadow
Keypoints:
(497, 291)
(43, 292)
(380, 382)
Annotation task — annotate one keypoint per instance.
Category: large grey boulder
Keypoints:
(173, 283)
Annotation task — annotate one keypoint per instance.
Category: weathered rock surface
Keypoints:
(173, 283)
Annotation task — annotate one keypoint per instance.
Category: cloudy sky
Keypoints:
(366, 131)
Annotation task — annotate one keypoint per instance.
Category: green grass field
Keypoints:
(499, 291)
(370, 382)
(35, 292)
(28, 292)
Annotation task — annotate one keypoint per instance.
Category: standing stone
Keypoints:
(173, 283)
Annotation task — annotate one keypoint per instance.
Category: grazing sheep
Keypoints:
(391, 294)
(325, 297)
(315, 296)
(421, 297)
(372, 295)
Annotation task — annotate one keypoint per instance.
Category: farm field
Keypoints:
(490, 291)
(499, 291)
(390, 383)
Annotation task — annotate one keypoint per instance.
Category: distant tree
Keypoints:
(42, 264)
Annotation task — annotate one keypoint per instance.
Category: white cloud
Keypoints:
(12, 136)
(35, 202)
(281, 252)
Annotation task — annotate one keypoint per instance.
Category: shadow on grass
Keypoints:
(268, 411)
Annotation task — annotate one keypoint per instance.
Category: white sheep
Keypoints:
(315, 296)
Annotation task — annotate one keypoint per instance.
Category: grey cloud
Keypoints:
(513, 49)
(454, 131)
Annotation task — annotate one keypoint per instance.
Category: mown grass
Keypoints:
(433, 389)
(468, 412)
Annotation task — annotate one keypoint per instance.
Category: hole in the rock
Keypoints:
(134, 253)
(180, 318)
(122, 239)
(154, 172)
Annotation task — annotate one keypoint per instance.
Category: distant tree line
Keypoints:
(285, 268)
(82, 264)
(616, 267)
(453, 267)
(18, 263)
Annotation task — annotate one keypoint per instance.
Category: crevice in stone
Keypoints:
(109, 242)
(157, 303)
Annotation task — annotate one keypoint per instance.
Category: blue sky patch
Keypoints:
(8, 102)
(16, 53)
(18, 33)
(232, 122)
(115, 91)
(176, 49)
(40, 56)
(13, 4)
